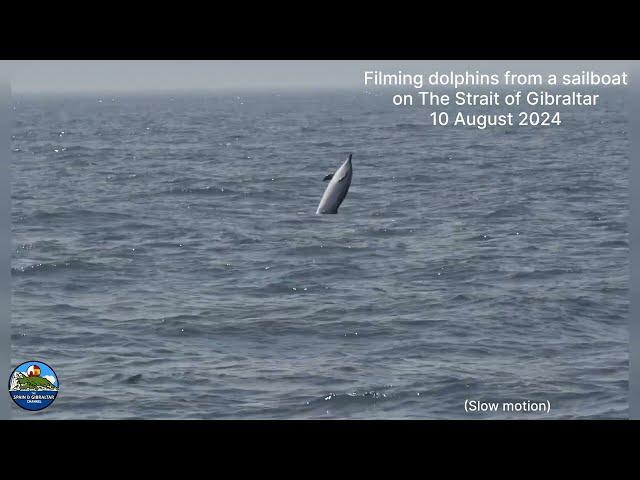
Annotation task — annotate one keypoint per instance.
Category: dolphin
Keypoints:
(337, 189)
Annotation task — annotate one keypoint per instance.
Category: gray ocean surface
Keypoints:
(168, 263)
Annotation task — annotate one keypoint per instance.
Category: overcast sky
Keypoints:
(133, 75)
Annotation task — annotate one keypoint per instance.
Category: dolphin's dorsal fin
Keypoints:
(328, 177)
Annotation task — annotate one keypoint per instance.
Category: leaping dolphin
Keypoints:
(337, 189)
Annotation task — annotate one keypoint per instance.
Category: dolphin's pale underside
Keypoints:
(337, 189)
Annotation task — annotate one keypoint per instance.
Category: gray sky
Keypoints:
(30, 76)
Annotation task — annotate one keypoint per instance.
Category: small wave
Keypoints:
(388, 231)
(461, 297)
(84, 214)
(508, 211)
(615, 226)
(52, 267)
(540, 274)
(337, 400)
(209, 190)
(133, 379)
(236, 137)
(239, 239)
(277, 287)
(76, 149)
(411, 126)
(180, 180)
(323, 249)
(614, 244)
(479, 146)
(482, 238)
(420, 178)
